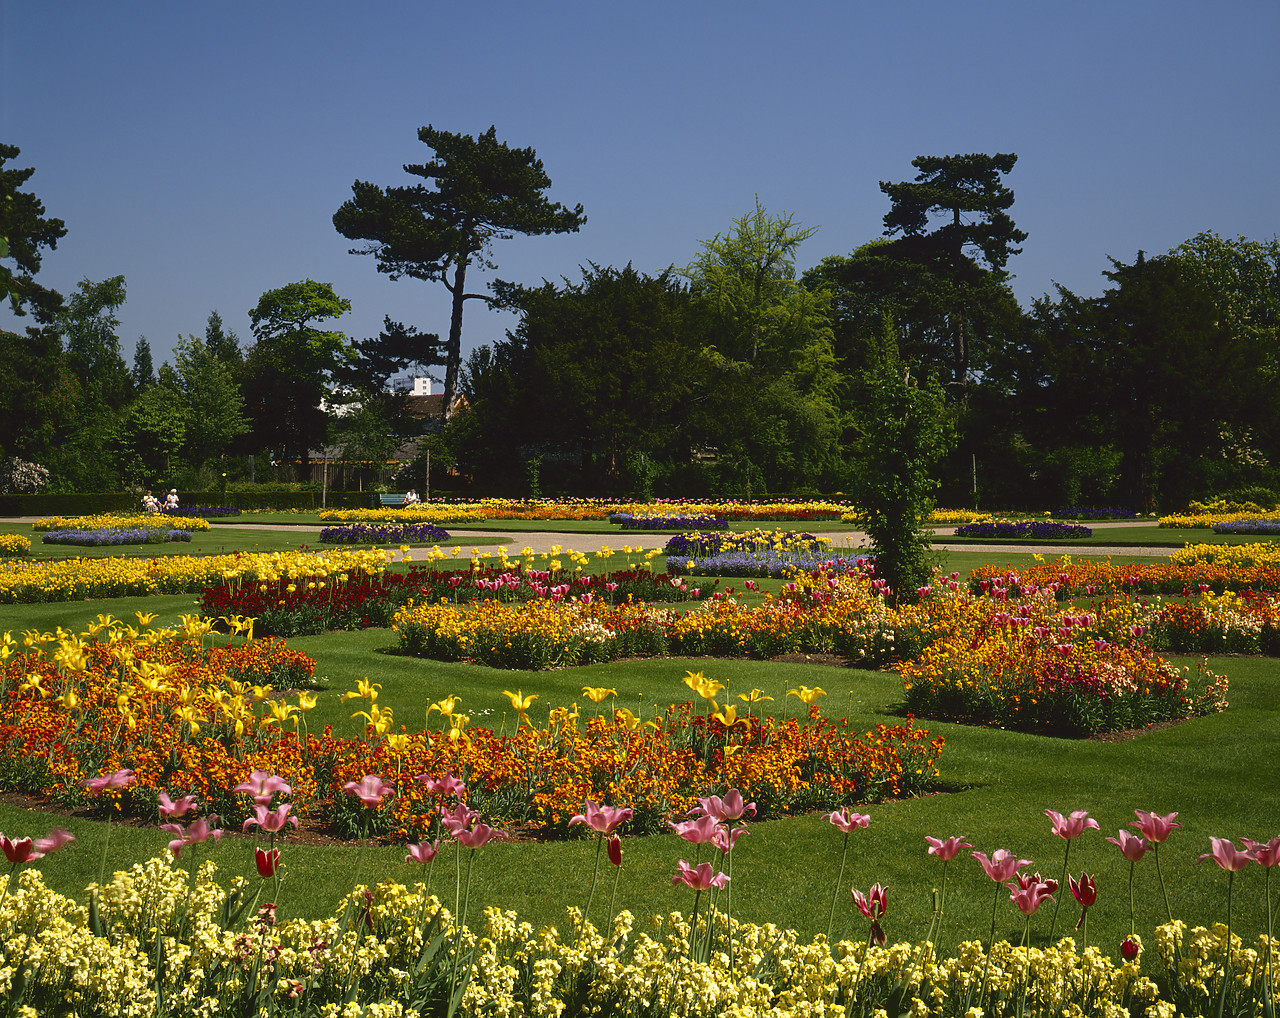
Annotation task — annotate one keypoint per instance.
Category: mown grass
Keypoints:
(1219, 773)
(1133, 537)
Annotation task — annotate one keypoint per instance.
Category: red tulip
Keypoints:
(1130, 948)
(268, 861)
(614, 848)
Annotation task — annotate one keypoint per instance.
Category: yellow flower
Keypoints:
(398, 744)
(806, 694)
(145, 620)
(729, 716)
(306, 701)
(445, 706)
(596, 694)
(755, 696)
(365, 688)
(704, 687)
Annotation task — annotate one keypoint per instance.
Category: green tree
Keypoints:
(484, 191)
(88, 324)
(953, 219)
(597, 371)
(152, 430)
(222, 343)
(143, 374)
(290, 366)
(904, 434)
(38, 396)
(774, 412)
(23, 232)
(214, 405)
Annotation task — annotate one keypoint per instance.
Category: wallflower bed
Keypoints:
(587, 509)
(81, 578)
(202, 511)
(702, 545)
(124, 535)
(1218, 567)
(1201, 514)
(189, 719)
(115, 521)
(287, 607)
(668, 521)
(14, 546)
(1029, 667)
(1046, 530)
(393, 951)
(1091, 513)
(376, 533)
(1230, 623)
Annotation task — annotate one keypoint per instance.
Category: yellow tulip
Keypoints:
(597, 694)
(807, 695)
(704, 687)
(755, 696)
(146, 619)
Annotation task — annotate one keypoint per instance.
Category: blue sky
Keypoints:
(201, 150)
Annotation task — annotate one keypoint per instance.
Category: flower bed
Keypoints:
(202, 511)
(701, 545)
(1033, 669)
(114, 521)
(668, 521)
(81, 578)
(1269, 527)
(587, 509)
(374, 533)
(1045, 530)
(1217, 567)
(285, 607)
(1230, 623)
(1207, 514)
(1090, 513)
(199, 720)
(14, 546)
(124, 535)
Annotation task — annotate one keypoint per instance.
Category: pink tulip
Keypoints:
(170, 809)
(19, 851)
(458, 818)
(1131, 847)
(262, 785)
(447, 785)
(947, 850)
(270, 821)
(195, 833)
(1153, 827)
(602, 819)
(1264, 854)
(614, 848)
(1030, 897)
(369, 790)
(846, 821)
(874, 905)
(725, 839)
(423, 852)
(700, 879)
(1227, 855)
(731, 807)
(478, 836)
(54, 840)
(1002, 865)
(120, 779)
(699, 832)
(1071, 826)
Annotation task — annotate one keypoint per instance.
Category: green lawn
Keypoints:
(1219, 773)
(1138, 536)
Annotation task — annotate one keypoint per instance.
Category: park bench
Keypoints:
(391, 498)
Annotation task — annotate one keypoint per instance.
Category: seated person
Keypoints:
(411, 498)
(171, 500)
(149, 503)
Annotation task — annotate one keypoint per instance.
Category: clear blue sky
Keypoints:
(201, 150)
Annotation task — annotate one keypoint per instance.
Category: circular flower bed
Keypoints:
(1022, 529)
(374, 533)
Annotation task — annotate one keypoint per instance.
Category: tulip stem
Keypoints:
(991, 947)
(1163, 890)
(592, 893)
(1226, 950)
(1057, 904)
(835, 891)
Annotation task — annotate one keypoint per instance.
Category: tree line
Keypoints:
(735, 374)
